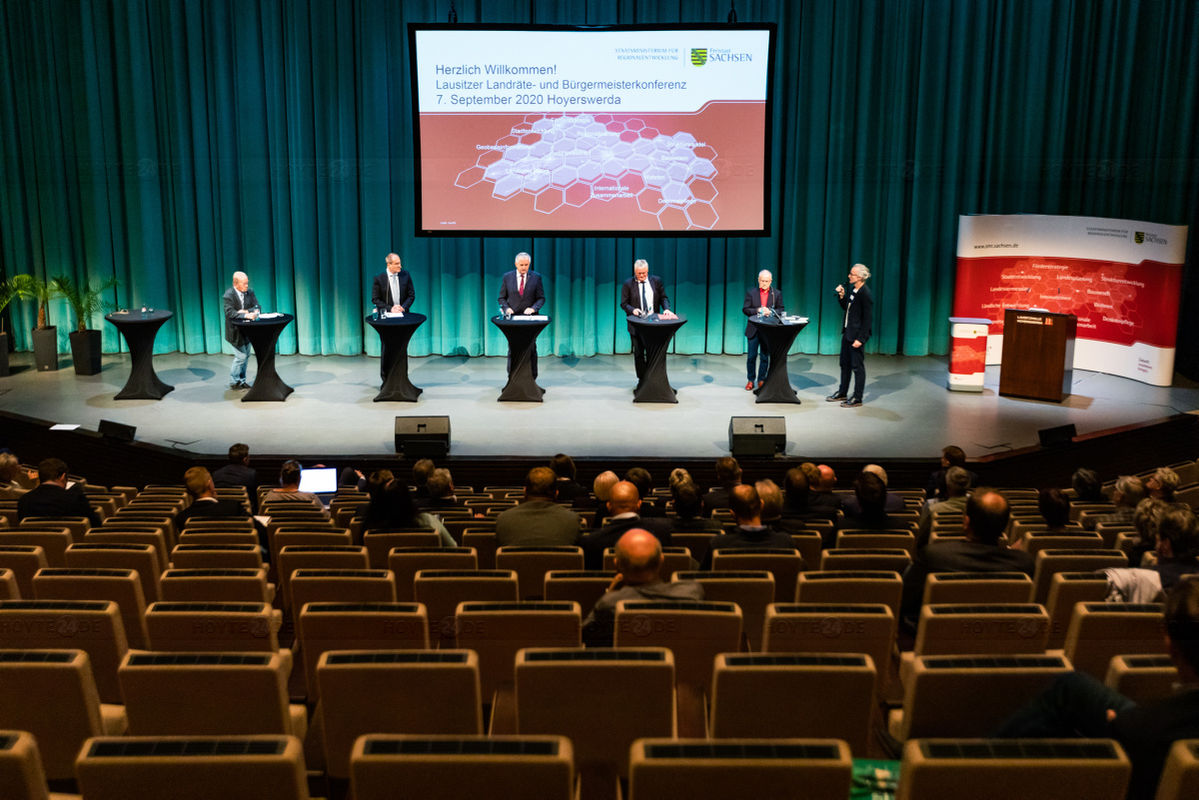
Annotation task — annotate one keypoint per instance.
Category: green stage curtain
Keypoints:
(170, 142)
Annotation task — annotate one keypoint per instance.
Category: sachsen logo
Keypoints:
(699, 56)
(1141, 237)
(702, 55)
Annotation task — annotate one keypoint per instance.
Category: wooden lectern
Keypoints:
(1038, 354)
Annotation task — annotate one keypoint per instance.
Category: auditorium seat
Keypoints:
(151, 535)
(9, 588)
(316, 556)
(245, 585)
(1000, 769)
(664, 769)
(22, 776)
(229, 767)
(784, 564)
(159, 519)
(532, 563)
(860, 539)
(1077, 509)
(584, 587)
(357, 626)
(78, 526)
(216, 536)
(1036, 541)
(1099, 631)
(23, 561)
(482, 539)
(52, 694)
(970, 695)
(696, 543)
(1066, 589)
(395, 691)
(750, 590)
(463, 768)
(496, 631)
(955, 629)
(93, 626)
(1142, 678)
(209, 694)
(288, 536)
(54, 541)
(673, 560)
(405, 562)
(695, 632)
(340, 586)
(1052, 561)
(887, 559)
(216, 556)
(832, 628)
(118, 585)
(441, 590)
(1180, 777)
(809, 543)
(794, 695)
(1110, 533)
(379, 543)
(601, 699)
(213, 627)
(977, 587)
(851, 586)
(142, 558)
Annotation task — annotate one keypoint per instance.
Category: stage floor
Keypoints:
(588, 409)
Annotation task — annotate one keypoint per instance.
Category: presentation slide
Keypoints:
(595, 131)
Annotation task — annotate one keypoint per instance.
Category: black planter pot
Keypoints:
(45, 348)
(85, 351)
(3, 355)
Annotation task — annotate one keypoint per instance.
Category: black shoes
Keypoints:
(854, 403)
(239, 385)
(836, 397)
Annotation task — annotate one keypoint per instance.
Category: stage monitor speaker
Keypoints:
(422, 437)
(1056, 437)
(116, 431)
(757, 436)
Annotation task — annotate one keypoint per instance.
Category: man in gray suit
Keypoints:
(240, 304)
(537, 520)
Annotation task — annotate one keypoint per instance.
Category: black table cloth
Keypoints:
(777, 337)
(522, 336)
(395, 333)
(263, 334)
(139, 329)
(656, 334)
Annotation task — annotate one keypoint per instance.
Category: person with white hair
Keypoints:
(855, 332)
(240, 305)
(763, 301)
(643, 295)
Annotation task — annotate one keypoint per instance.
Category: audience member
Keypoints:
(957, 483)
(421, 471)
(892, 502)
(689, 508)
(623, 504)
(206, 504)
(568, 488)
(638, 561)
(1077, 704)
(601, 488)
(951, 456)
(238, 472)
(1087, 486)
(749, 531)
(772, 509)
(14, 480)
(728, 475)
(869, 509)
(289, 488)
(1162, 484)
(53, 497)
(441, 492)
(393, 508)
(537, 520)
(1146, 519)
(1055, 509)
(641, 478)
(1127, 492)
(822, 497)
(983, 550)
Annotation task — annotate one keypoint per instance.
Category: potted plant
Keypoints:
(85, 300)
(18, 286)
(45, 335)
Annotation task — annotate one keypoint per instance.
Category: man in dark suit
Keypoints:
(1077, 704)
(855, 332)
(238, 472)
(537, 521)
(765, 302)
(746, 505)
(986, 518)
(522, 292)
(623, 503)
(206, 504)
(52, 498)
(240, 304)
(642, 295)
(392, 293)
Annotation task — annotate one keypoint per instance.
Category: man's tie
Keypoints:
(395, 288)
(520, 289)
(644, 304)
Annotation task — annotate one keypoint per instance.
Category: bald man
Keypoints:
(240, 304)
(638, 562)
(624, 503)
(391, 292)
